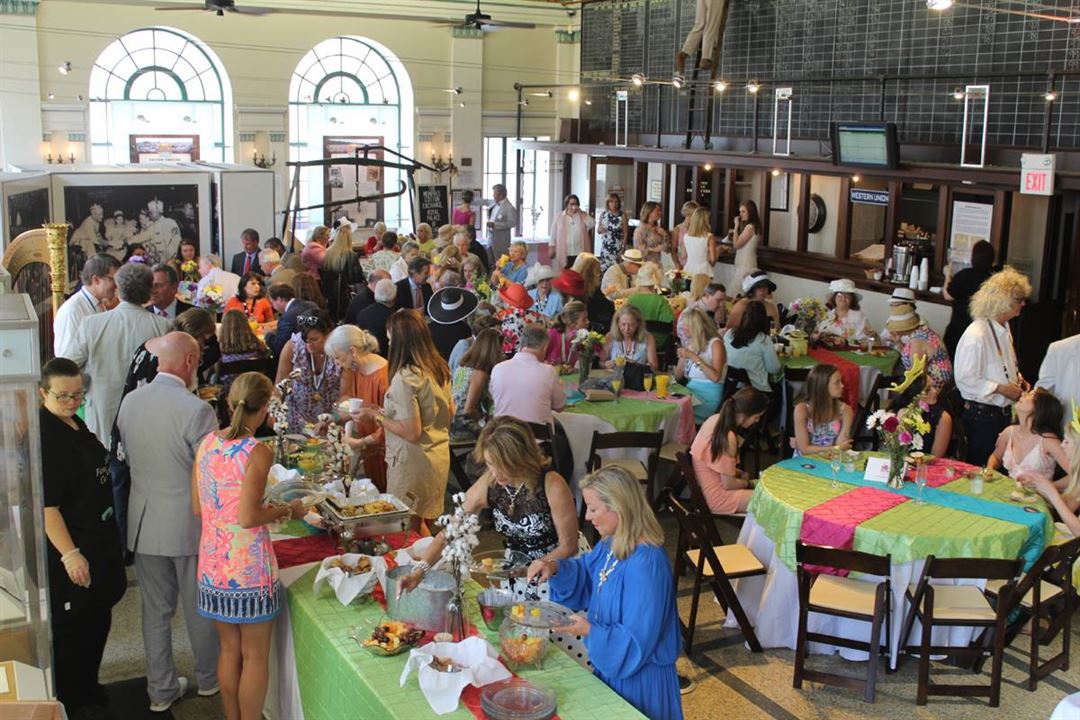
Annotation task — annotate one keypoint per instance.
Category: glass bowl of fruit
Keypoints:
(524, 635)
(387, 637)
(493, 604)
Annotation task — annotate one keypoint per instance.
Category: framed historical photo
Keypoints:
(147, 149)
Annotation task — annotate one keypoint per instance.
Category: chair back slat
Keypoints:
(694, 531)
(652, 441)
(791, 375)
(1056, 562)
(841, 559)
(974, 568)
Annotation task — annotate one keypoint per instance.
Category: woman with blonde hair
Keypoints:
(600, 308)
(699, 244)
(630, 621)
(424, 239)
(629, 339)
(611, 232)
(239, 591)
(364, 378)
(416, 416)
(680, 231)
(985, 368)
(532, 505)
(340, 272)
(703, 363)
(314, 252)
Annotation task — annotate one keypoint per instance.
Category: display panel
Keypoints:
(865, 144)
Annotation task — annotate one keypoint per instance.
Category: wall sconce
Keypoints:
(444, 166)
(59, 159)
(261, 162)
(958, 94)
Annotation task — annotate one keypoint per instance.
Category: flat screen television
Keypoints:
(865, 144)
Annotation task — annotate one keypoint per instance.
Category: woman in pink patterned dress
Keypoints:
(238, 585)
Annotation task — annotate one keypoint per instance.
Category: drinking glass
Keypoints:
(647, 381)
(616, 384)
(922, 474)
(834, 465)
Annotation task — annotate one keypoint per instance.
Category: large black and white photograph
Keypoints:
(26, 211)
(127, 221)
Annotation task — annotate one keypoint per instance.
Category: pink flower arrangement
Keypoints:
(905, 437)
(890, 423)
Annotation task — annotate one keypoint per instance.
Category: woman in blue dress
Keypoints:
(631, 623)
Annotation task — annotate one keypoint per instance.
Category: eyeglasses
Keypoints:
(68, 397)
(309, 321)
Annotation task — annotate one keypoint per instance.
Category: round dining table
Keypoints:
(795, 500)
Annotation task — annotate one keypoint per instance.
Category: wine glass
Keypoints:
(647, 381)
(922, 474)
(834, 465)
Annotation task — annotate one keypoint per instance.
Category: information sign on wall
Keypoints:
(434, 208)
(869, 197)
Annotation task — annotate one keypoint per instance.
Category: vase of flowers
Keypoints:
(806, 313)
(211, 298)
(586, 341)
(460, 530)
(900, 435)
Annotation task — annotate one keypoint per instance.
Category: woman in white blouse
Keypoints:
(844, 324)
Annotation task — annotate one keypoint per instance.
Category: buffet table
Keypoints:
(318, 672)
(794, 500)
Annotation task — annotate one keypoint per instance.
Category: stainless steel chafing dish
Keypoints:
(352, 527)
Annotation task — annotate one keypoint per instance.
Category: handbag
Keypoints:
(634, 375)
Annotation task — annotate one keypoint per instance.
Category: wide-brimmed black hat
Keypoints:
(451, 304)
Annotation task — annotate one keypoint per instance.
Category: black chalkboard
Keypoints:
(831, 52)
(434, 205)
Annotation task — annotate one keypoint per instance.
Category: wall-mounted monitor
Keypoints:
(865, 144)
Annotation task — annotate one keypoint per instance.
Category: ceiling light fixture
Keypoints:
(65, 67)
(720, 86)
(461, 104)
(677, 82)
(776, 172)
(939, 5)
(707, 167)
(588, 101)
(546, 94)
(638, 79)
(753, 86)
(455, 90)
(574, 95)
(958, 93)
(1050, 96)
(855, 178)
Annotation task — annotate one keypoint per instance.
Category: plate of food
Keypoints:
(378, 506)
(286, 491)
(388, 637)
(499, 564)
(361, 565)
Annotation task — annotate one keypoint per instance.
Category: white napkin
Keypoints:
(363, 490)
(476, 655)
(347, 586)
(278, 473)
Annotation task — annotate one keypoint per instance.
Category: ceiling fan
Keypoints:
(482, 21)
(220, 7)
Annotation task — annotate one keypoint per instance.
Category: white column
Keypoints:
(466, 123)
(20, 90)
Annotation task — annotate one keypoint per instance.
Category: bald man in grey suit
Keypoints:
(161, 427)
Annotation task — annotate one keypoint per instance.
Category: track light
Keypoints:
(776, 172)
(524, 103)
(720, 86)
(461, 104)
(574, 95)
(455, 90)
(958, 93)
(588, 101)
(677, 82)
(52, 96)
(638, 79)
(855, 178)
(707, 167)
(939, 5)
(65, 67)
(1050, 96)
(752, 87)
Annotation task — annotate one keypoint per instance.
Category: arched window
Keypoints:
(347, 92)
(157, 91)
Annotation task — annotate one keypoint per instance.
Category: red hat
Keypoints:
(570, 282)
(516, 295)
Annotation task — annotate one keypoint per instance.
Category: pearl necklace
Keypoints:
(609, 567)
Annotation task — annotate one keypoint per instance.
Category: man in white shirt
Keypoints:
(987, 374)
(98, 288)
(400, 269)
(212, 274)
(525, 387)
(502, 220)
(1060, 372)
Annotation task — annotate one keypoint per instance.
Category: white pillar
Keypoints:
(466, 123)
(20, 90)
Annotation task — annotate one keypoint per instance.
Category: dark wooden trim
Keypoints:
(641, 185)
(802, 233)
(730, 175)
(892, 223)
(999, 236)
(944, 225)
(843, 220)
(763, 207)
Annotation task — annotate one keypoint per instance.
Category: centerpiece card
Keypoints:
(877, 470)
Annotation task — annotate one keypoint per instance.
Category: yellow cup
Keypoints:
(661, 386)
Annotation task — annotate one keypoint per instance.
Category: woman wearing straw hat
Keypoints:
(516, 314)
(547, 300)
(906, 333)
(844, 323)
(653, 305)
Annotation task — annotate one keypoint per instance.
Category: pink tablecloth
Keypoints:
(686, 430)
(833, 522)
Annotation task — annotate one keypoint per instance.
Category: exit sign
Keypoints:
(1036, 174)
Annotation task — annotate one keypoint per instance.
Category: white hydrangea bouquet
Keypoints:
(460, 530)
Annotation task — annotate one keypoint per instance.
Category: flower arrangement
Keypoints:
(211, 298)
(187, 291)
(481, 288)
(340, 454)
(806, 313)
(460, 530)
(586, 341)
(278, 410)
(902, 433)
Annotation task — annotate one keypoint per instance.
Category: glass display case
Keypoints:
(24, 609)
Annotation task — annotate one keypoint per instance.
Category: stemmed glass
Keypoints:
(835, 460)
(648, 381)
(922, 474)
(616, 385)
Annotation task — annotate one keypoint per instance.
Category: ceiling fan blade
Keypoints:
(186, 9)
(254, 11)
(509, 24)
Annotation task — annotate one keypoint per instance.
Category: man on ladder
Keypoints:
(708, 21)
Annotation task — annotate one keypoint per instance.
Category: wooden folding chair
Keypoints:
(846, 597)
(791, 375)
(697, 495)
(1045, 592)
(701, 548)
(645, 472)
(960, 606)
(750, 453)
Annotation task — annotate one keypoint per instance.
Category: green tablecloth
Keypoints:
(338, 679)
(627, 414)
(907, 532)
(885, 363)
